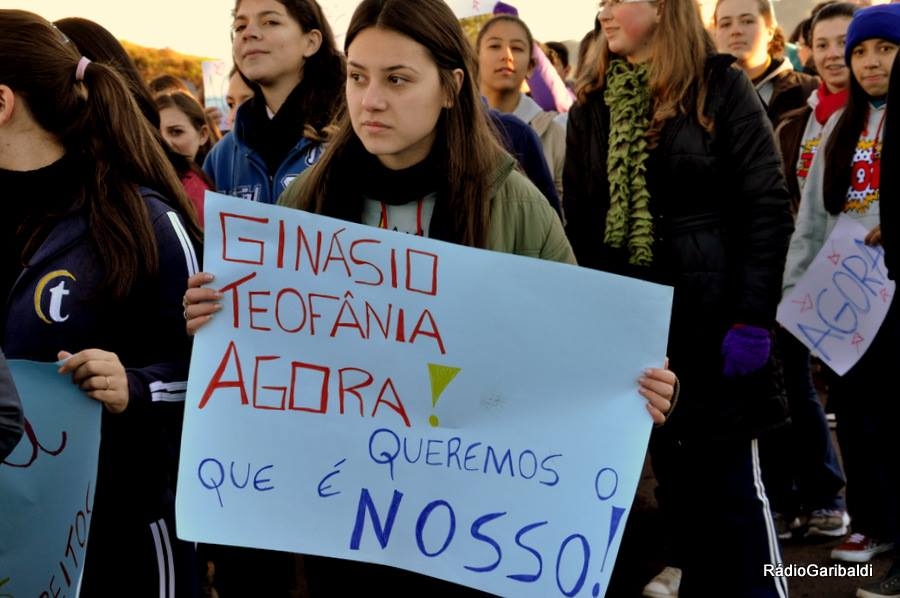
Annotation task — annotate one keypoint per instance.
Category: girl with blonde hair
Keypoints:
(672, 176)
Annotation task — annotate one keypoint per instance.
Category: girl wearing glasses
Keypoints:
(673, 176)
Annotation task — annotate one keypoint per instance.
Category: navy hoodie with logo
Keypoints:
(237, 169)
(55, 304)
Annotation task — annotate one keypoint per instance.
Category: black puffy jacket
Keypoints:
(722, 227)
(790, 91)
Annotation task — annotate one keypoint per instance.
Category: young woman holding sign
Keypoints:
(415, 153)
(98, 238)
(845, 179)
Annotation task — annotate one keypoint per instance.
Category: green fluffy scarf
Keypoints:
(628, 97)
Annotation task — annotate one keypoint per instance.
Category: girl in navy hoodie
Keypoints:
(97, 238)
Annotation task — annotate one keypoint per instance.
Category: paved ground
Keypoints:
(640, 558)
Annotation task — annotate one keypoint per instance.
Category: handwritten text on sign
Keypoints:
(470, 8)
(215, 88)
(47, 485)
(376, 396)
(840, 302)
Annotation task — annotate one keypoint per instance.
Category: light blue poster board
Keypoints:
(376, 396)
(47, 485)
(215, 88)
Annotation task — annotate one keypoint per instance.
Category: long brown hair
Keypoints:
(196, 115)
(97, 43)
(98, 122)
(463, 131)
(679, 50)
(324, 72)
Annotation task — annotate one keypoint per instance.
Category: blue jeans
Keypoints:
(799, 462)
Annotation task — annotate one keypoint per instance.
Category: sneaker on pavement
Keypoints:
(886, 587)
(784, 528)
(664, 585)
(827, 522)
(859, 548)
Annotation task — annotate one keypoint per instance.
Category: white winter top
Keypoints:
(809, 142)
(814, 223)
(551, 133)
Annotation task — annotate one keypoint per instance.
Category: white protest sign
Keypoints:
(838, 305)
(382, 397)
(471, 8)
(215, 88)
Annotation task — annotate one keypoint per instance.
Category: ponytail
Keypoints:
(120, 151)
(88, 107)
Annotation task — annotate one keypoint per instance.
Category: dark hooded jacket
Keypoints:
(722, 224)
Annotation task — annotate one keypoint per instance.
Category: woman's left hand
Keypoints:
(657, 385)
(874, 236)
(100, 374)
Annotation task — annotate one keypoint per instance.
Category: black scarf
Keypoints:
(274, 138)
(397, 187)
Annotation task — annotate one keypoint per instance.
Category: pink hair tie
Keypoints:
(79, 70)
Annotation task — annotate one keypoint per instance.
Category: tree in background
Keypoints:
(153, 62)
(472, 25)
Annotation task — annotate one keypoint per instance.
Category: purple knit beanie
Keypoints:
(502, 8)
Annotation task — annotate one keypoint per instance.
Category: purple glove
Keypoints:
(504, 8)
(745, 349)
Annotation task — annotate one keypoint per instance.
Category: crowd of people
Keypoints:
(711, 157)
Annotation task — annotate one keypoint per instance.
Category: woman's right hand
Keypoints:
(200, 302)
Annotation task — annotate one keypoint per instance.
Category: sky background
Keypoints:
(201, 27)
